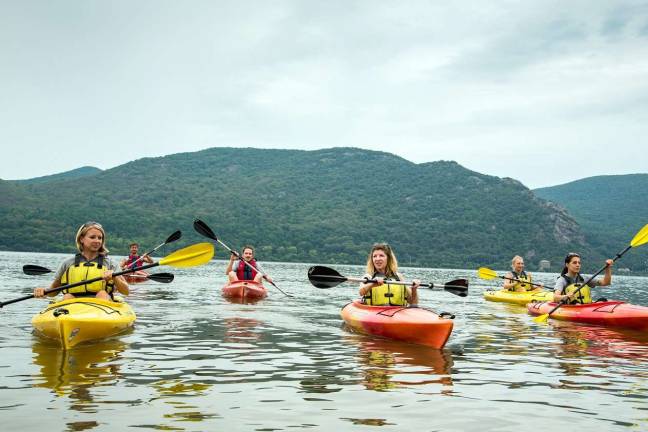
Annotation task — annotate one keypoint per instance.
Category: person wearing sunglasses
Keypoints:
(90, 262)
(570, 279)
(382, 266)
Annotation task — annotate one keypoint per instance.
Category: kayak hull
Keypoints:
(136, 277)
(408, 324)
(78, 320)
(608, 313)
(244, 290)
(519, 298)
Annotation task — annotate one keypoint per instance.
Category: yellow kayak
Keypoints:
(520, 298)
(83, 319)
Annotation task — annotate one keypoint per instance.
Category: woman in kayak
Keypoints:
(245, 267)
(382, 266)
(91, 262)
(570, 279)
(517, 272)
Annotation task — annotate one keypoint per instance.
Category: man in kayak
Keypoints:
(570, 280)
(245, 267)
(91, 262)
(134, 259)
(517, 272)
(382, 266)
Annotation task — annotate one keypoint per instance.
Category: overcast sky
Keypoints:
(545, 92)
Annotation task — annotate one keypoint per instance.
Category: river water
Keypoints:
(196, 362)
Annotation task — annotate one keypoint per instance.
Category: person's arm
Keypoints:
(230, 264)
(365, 288)
(558, 295)
(120, 283)
(147, 259)
(261, 270)
(123, 262)
(413, 292)
(607, 278)
(40, 292)
(508, 283)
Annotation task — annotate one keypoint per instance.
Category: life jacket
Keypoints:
(523, 277)
(132, 259)
(84, 270)
(386, 294)
(584, 296)
(244, 272)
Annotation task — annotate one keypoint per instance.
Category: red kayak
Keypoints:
(608, 313)
(248, 290)
(136, 277)
(408, 324)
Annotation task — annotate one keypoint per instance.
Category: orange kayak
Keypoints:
(607, 313)
(408, 324)
(245, 290)
(136, 277)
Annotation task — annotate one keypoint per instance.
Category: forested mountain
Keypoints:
(610, 209)
(325, 206)
(67, 175)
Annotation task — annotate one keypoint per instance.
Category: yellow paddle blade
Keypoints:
(486, 273)
(641, 237)
(191, 256)
(540, 319)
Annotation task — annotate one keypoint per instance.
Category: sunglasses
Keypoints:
(91, 223)
(571, 255)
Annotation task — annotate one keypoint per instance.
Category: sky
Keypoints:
(545, 92)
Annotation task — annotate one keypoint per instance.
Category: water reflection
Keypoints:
(601, 342)
(242, 330)
(74, 372)
(390, 364)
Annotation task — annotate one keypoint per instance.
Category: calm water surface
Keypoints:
(197, 362)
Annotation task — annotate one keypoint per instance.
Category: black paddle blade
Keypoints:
(161, 277)
(202, 229)
(324, 277)
(173, 237)
(35, 270)
(457, 287)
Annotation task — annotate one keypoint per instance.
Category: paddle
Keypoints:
(190, 256)
(36, 270)
(173, 237)
(488, 274)
(326, 277)
(639, 239)
(203, 229)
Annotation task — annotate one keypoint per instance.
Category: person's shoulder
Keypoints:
(110, 262)
(68, 261)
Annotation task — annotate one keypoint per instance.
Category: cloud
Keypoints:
(482, 84)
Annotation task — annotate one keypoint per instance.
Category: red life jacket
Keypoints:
(131, 260)
(244, 272)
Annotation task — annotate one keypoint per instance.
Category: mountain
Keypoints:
(324, 206)
(610, 209)
(67, 175)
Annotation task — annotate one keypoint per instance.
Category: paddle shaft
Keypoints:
(390, 282)
(591, 278)
(521, 281)
(76, 284)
